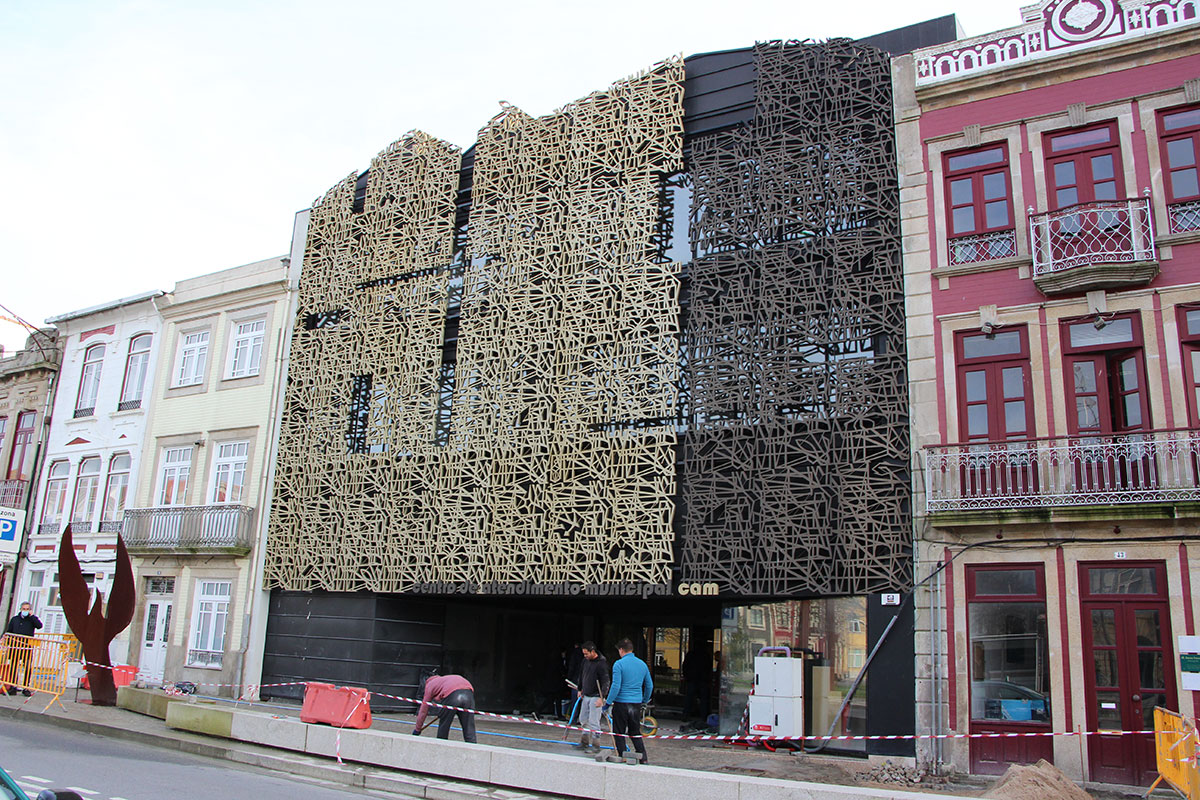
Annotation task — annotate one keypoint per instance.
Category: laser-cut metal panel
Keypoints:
(794, 472)
(512, 461)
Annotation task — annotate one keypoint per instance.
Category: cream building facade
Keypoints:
(27, 380)
(192, 531)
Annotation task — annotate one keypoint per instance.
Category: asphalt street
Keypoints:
(40, 757)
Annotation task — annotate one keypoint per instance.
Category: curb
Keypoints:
(359, 776)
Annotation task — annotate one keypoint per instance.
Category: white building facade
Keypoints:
(93, 449)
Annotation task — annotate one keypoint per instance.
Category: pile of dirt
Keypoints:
(1040, 781)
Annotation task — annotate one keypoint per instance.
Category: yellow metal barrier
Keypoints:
(1175, 746)
(74, 646)
(34, 664)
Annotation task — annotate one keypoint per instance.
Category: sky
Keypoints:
(145, 142)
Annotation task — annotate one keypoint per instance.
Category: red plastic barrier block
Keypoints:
(339, 706)
(124, 674)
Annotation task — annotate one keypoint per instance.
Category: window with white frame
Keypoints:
(173, 476)
(229, 472)
(246, 346)
(208, 624)
(192, 359)
(87, 489)
(115, 492)
(89, 381)
(56, 493)
(135, 372)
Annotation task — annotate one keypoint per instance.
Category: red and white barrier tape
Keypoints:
(703, 737)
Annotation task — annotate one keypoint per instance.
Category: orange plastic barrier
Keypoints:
(1175, 746)
(34, 664)
(339, 706)
(123, 675)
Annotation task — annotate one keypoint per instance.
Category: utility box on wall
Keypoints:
(777, 705)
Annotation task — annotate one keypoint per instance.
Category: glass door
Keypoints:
(1127, 666)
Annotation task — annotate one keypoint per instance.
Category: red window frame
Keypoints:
(22, 439)
(995, 369)
(1189, 342)
(1038, 568)
(993, 755)
(975, 176)
(1105, 360)
(1184, 132)
(1082, 157)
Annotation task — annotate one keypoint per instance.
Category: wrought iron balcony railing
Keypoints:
(215, 527)
(1093, 245)
(1150, 467)
(983, 247)
(12, 493)
(1184, 216)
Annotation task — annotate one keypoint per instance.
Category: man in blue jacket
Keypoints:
(631, 687)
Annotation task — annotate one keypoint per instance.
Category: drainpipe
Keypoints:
(935, 620)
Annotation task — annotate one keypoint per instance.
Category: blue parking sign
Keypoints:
(12, 523)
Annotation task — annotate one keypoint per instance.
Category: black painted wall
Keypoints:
(891, 680)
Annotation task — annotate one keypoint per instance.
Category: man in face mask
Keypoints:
(23, 624)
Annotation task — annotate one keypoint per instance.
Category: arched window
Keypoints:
(56, 496)
(115, 493)
(89, 381)
(87, 489)
(135, 373)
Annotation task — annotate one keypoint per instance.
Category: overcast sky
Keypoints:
(146, 142)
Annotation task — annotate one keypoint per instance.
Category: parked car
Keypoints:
(1005, 700)
(10, 791)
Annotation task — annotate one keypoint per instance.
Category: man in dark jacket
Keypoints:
(23, 624)
(593, 684)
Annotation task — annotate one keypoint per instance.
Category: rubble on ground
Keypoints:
(900, 775)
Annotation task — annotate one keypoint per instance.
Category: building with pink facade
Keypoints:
(1051, 222)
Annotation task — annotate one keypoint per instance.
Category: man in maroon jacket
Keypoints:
(456, 692)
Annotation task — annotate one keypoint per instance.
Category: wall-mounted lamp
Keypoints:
(1100, 323)
(988, 329)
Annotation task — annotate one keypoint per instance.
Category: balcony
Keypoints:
(1184, 217)
(207, 530)
(983, 247)
(1065, 472)
(1106, 245)
(12, 494)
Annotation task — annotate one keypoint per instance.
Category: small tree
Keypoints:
(95, 629)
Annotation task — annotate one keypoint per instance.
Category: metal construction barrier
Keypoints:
(74, 646)
(34, 664)
(1175, 747)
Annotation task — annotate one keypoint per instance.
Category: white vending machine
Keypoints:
(777, 705)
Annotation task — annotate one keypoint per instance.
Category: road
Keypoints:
(41, 757)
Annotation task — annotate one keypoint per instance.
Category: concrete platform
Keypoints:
(565, 775)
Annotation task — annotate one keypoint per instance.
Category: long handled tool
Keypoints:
(574, 708)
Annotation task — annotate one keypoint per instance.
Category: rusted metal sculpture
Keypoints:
(95, 629)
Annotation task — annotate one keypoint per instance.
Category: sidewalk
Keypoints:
(811, 776)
